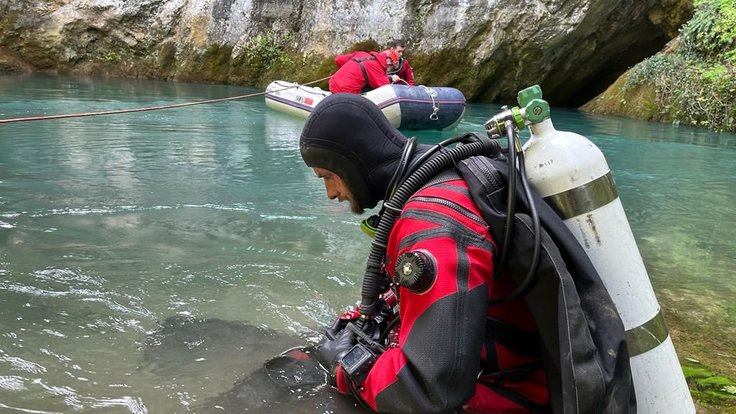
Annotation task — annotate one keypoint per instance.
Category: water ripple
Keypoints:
(87, 211)
(26, 410)
(67, 276)
(12, 383)
(23, 365)
(132, 404)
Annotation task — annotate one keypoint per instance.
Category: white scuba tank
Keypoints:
(572, 174)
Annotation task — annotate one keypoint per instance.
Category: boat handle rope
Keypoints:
(432, 94)
(150, 108)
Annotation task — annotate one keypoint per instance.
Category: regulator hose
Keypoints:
(511, 200)
(411, 144)
(536, 226)
(373, 281)
(427, 154)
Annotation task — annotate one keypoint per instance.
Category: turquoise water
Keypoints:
(111, 224)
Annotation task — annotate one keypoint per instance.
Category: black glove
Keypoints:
(335, 330)
(330, 352)
(341, 322)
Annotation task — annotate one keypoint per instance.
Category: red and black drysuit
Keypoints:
(449, 333)
(405, 72)
(359, 72)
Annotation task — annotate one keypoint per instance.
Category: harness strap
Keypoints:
(362, 69)
(523, 341)
(515, 396)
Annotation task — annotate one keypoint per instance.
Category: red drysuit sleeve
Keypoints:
(435, 365)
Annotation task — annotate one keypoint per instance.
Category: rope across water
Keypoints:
(149, 108)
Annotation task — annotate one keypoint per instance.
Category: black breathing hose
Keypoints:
(373, 281)
(536, 228)
(411, 144)
(386, 332)
(424, 157)
(510, 201)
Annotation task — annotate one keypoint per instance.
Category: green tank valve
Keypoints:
(370, 226)
(527, 95)
(518, 117)
(537, 110)
(497, 124)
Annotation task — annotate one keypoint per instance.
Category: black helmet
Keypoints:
(348, 135)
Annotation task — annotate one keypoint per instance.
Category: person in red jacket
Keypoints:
(363, 71)
(403, 69)
(453, 352)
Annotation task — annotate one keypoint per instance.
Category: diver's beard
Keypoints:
(355, 207)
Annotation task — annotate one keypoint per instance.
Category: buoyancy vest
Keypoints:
(585, 355)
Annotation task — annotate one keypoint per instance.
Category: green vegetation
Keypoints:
(709, 389)
(265, 57)
(696, 83)
(266, 51)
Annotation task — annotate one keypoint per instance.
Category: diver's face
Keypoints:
(337, 189)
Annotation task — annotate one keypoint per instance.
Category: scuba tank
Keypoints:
(572, 175)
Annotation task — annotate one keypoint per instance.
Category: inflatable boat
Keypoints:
(406, 107)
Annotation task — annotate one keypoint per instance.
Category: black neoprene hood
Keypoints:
(348, 135)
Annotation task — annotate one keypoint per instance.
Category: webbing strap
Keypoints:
(362, 69)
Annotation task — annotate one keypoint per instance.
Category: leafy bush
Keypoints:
(711, 33)
(265, 51)
(697, 83)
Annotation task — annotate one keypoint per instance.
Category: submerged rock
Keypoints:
(293, 382)
(183, 344)
(270, 380)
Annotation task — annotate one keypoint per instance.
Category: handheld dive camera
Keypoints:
(359, 360)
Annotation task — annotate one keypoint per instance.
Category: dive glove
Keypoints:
(334, 330)
(331, 351)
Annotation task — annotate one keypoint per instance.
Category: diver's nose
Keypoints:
(332, 193)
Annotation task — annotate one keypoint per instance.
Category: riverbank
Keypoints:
(708, 367)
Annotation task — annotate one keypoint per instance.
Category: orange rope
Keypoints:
(150, 108)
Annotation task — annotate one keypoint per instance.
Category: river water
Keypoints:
(111, 224)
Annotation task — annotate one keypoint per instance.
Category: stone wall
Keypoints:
(489, 49)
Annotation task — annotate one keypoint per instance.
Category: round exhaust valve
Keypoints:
(415, 271)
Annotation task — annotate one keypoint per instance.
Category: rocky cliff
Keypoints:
(489, 49)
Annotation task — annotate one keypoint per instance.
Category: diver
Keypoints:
(466, 339)
(403, 71)
(447, 342)
(360, 72)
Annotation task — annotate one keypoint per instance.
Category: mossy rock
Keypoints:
(639, 102)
